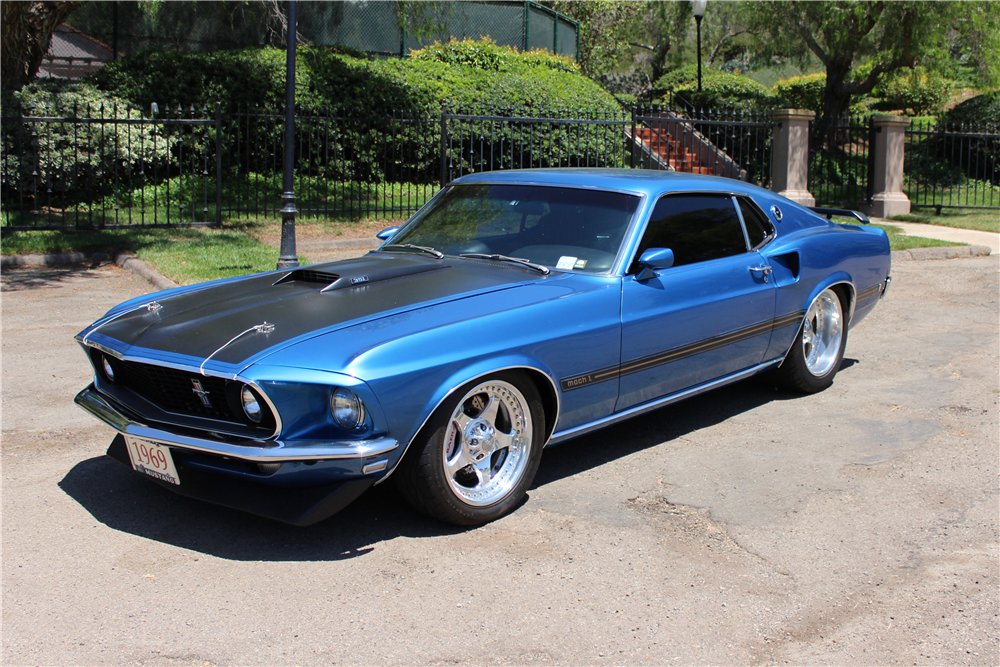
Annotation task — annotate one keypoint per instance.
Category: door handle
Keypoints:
(764, 270)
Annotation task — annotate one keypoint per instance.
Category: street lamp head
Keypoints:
(698, 7)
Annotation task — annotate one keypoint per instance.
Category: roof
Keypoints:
(642, 181)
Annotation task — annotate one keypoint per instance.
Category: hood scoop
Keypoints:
(335, 281)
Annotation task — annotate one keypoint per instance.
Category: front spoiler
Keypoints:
(297, 506)
(258, 451)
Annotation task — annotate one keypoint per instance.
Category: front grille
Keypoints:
(175, 391)
(180, 392)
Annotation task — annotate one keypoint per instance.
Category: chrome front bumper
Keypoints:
(261, 451)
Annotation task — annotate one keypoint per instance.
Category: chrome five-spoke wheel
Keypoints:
(476, 457)
(487, 443)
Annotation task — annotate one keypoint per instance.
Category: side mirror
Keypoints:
(386, 233)
(655, 258)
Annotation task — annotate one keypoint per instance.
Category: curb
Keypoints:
(945, 252)
(127, 262)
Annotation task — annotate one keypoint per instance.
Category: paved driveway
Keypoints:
(857, 526)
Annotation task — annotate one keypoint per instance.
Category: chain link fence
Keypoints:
(98, 32)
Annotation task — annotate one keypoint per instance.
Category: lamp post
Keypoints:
(698, 8)
(289, 258)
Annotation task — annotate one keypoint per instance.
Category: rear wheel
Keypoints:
(818, 350)
(476, 457)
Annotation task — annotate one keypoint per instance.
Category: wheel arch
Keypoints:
(843, 287)
(540, 378)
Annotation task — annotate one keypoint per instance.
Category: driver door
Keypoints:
(707, 316)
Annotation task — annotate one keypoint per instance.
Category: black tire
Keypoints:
(815, 358)
(476, 457)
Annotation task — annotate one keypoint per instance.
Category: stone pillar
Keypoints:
(790, 155)
(887, 178)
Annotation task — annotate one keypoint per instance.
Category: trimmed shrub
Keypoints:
(983, 108)
(801, 92)
(916, 91)
(64, 158)
(485, 54)
(720, 90)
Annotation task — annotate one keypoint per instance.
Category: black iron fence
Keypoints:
(952, 166)
(839, 174)
(116, 167)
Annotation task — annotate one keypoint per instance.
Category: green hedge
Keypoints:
(470, 72)
(915, 91)
(983, 108)
(77, 158)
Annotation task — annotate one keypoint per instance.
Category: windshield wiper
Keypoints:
(409, 246)
(504, 258)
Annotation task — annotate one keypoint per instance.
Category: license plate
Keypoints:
(152, 459)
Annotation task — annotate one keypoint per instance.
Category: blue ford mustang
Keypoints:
(516, 309)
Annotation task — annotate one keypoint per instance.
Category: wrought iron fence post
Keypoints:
(870, 180)
(218, 164)
(444, 149)
(631, 157)
(289, 258)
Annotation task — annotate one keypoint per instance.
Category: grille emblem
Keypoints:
(202, 394)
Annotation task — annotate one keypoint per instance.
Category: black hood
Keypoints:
(226, 321)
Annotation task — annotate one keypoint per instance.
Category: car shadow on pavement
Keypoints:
(124, 501)
(21, 278)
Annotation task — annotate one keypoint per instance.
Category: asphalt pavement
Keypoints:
(745, 526)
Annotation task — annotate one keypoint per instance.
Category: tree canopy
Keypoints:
(859, 41)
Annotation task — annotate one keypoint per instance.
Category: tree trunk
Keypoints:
(836, 102)
(27, 29)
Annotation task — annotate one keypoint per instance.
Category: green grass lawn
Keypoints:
(981, 220)
(185, 255)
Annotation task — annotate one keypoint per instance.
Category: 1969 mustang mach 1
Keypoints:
(516, 309)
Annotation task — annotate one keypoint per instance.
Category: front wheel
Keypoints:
(818, 350)
(476, 457)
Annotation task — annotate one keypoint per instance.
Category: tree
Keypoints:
(605, 29)
(860, 41)
(27, 29)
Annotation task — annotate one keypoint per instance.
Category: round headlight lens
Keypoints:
(109, 372)
(348, 410)
(251, 406)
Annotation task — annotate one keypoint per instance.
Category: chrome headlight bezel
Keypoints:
(250, 402)
(347, 409)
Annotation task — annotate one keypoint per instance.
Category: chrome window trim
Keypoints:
(680, 193)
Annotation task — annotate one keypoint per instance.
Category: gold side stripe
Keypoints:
(865, 293)
(707, 345)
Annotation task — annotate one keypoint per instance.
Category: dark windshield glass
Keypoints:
(563, 228)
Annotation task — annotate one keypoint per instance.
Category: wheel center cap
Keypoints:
(479, 438)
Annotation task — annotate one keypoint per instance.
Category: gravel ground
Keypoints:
(745, 526)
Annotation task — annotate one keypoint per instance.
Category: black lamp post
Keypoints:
(698, 7)
(288, 257)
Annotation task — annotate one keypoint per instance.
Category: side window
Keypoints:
(696, 227)
(758, 227)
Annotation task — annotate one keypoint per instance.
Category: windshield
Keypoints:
(562, 228)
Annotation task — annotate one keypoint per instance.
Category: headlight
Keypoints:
(109, 372)
(348, 410)
(251, 406)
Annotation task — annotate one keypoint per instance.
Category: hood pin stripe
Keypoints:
(263, 328)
